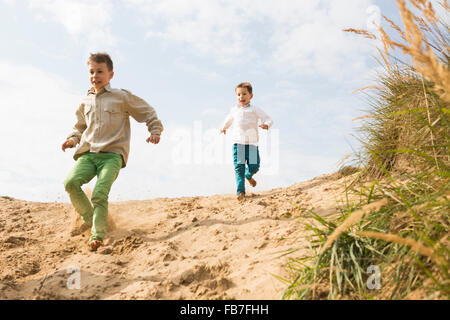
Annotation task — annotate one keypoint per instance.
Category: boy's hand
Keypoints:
(67, 144)
(264, 126)
(153, 139)
(224, 131)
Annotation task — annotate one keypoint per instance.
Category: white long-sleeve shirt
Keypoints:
(245, 120)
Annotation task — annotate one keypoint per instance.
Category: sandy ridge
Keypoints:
(181, 248)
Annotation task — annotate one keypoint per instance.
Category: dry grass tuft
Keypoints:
(364, 33)
(405, 157)
(395, 27)
(445, 5)
(348, 156)
(415, 246)
(355, 217)
(419, 49)
(365, 88)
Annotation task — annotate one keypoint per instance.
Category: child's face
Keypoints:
(99, 75)
(243, 96)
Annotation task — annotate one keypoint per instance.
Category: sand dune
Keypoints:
(183, 248)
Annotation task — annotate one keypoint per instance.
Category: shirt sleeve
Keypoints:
(79, 126)
(228, 120)
(142, 112)
(265, 119)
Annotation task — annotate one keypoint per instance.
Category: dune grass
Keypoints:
(394, 243)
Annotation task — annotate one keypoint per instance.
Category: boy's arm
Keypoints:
(228, 122)
(79, 127)
(142, 112)
(266, 121)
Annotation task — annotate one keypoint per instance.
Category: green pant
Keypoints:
(104, 165)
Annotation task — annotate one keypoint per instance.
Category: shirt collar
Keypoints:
(105, 88)
(246, 106)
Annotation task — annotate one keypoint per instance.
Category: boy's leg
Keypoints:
(108, 167)
(253, 160)
(239, 167)
(83, 172)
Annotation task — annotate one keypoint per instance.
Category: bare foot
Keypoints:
(94, 245)
(252, 182)
(241, 197)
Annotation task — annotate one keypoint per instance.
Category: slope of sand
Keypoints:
(184, 248)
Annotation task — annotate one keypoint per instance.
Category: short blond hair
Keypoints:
(245, 85)
(101, 57)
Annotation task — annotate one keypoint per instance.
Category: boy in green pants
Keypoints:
(103, 132)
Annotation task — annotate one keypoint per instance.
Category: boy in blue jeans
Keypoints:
(245, 117)
(102, 131)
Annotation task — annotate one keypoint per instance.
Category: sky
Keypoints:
(185, 59)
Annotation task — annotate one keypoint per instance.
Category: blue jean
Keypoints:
(245, 154)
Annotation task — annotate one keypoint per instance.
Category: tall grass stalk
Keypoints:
(405, 140)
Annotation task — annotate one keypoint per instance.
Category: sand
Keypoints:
(183, 248)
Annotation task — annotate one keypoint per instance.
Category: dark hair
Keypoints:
(101, 57)
(245, 85)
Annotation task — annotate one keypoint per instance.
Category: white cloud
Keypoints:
(316, 44)
(182, 64)
(299, 36)
(211, 112)
(9, 2)
(86, 21)
(209, 27)
(37, 114)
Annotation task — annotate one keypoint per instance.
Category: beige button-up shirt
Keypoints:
(103, 122)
